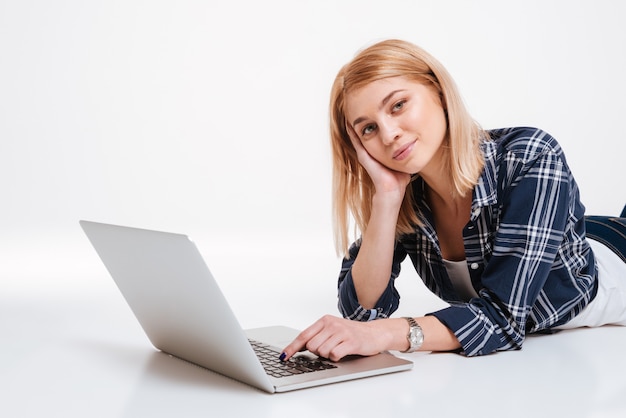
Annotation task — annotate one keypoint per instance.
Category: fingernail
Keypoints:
(282, 356)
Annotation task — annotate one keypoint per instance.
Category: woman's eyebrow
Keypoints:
(382, 104)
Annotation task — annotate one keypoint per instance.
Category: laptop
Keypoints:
(182, 310)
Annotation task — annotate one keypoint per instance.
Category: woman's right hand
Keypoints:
(334, 338)
(385, 179)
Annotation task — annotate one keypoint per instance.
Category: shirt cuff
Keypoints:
(475, 332)
(350, 308)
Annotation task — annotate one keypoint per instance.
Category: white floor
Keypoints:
(72, 348)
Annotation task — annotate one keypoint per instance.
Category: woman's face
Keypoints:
(401, 123)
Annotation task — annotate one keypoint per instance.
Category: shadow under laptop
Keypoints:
(169, 386)
(164, 368)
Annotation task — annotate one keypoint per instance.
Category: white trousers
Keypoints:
(609, 305)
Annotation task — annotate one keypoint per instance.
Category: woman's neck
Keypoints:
(443, 196)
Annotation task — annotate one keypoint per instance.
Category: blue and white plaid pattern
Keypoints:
(525, 247)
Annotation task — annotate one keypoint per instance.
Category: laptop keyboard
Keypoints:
(294, 366)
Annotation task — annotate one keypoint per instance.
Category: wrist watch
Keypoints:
(415, 335)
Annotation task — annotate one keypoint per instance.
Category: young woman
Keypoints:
(491, 220)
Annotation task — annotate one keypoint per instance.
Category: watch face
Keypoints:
(416, 337)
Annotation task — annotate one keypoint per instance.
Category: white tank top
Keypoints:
(460, 278)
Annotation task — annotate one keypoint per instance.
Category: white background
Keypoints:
(210, 117)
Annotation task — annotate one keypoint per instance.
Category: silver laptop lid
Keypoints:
(173, 294)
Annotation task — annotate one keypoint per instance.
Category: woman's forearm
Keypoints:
(437, 337)
(372, 268)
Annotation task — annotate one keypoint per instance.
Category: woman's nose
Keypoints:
(390, 132)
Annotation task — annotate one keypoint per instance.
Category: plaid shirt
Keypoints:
(525, 248)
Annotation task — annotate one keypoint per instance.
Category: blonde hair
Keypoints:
(352, 187)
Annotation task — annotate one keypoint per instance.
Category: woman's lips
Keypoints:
(403, 151)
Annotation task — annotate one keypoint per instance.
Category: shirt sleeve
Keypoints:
(348, 303)
(535, 207)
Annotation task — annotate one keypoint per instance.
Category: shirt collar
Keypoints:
(485, 191)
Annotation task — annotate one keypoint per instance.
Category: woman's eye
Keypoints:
(368, 129)
(398, 105)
